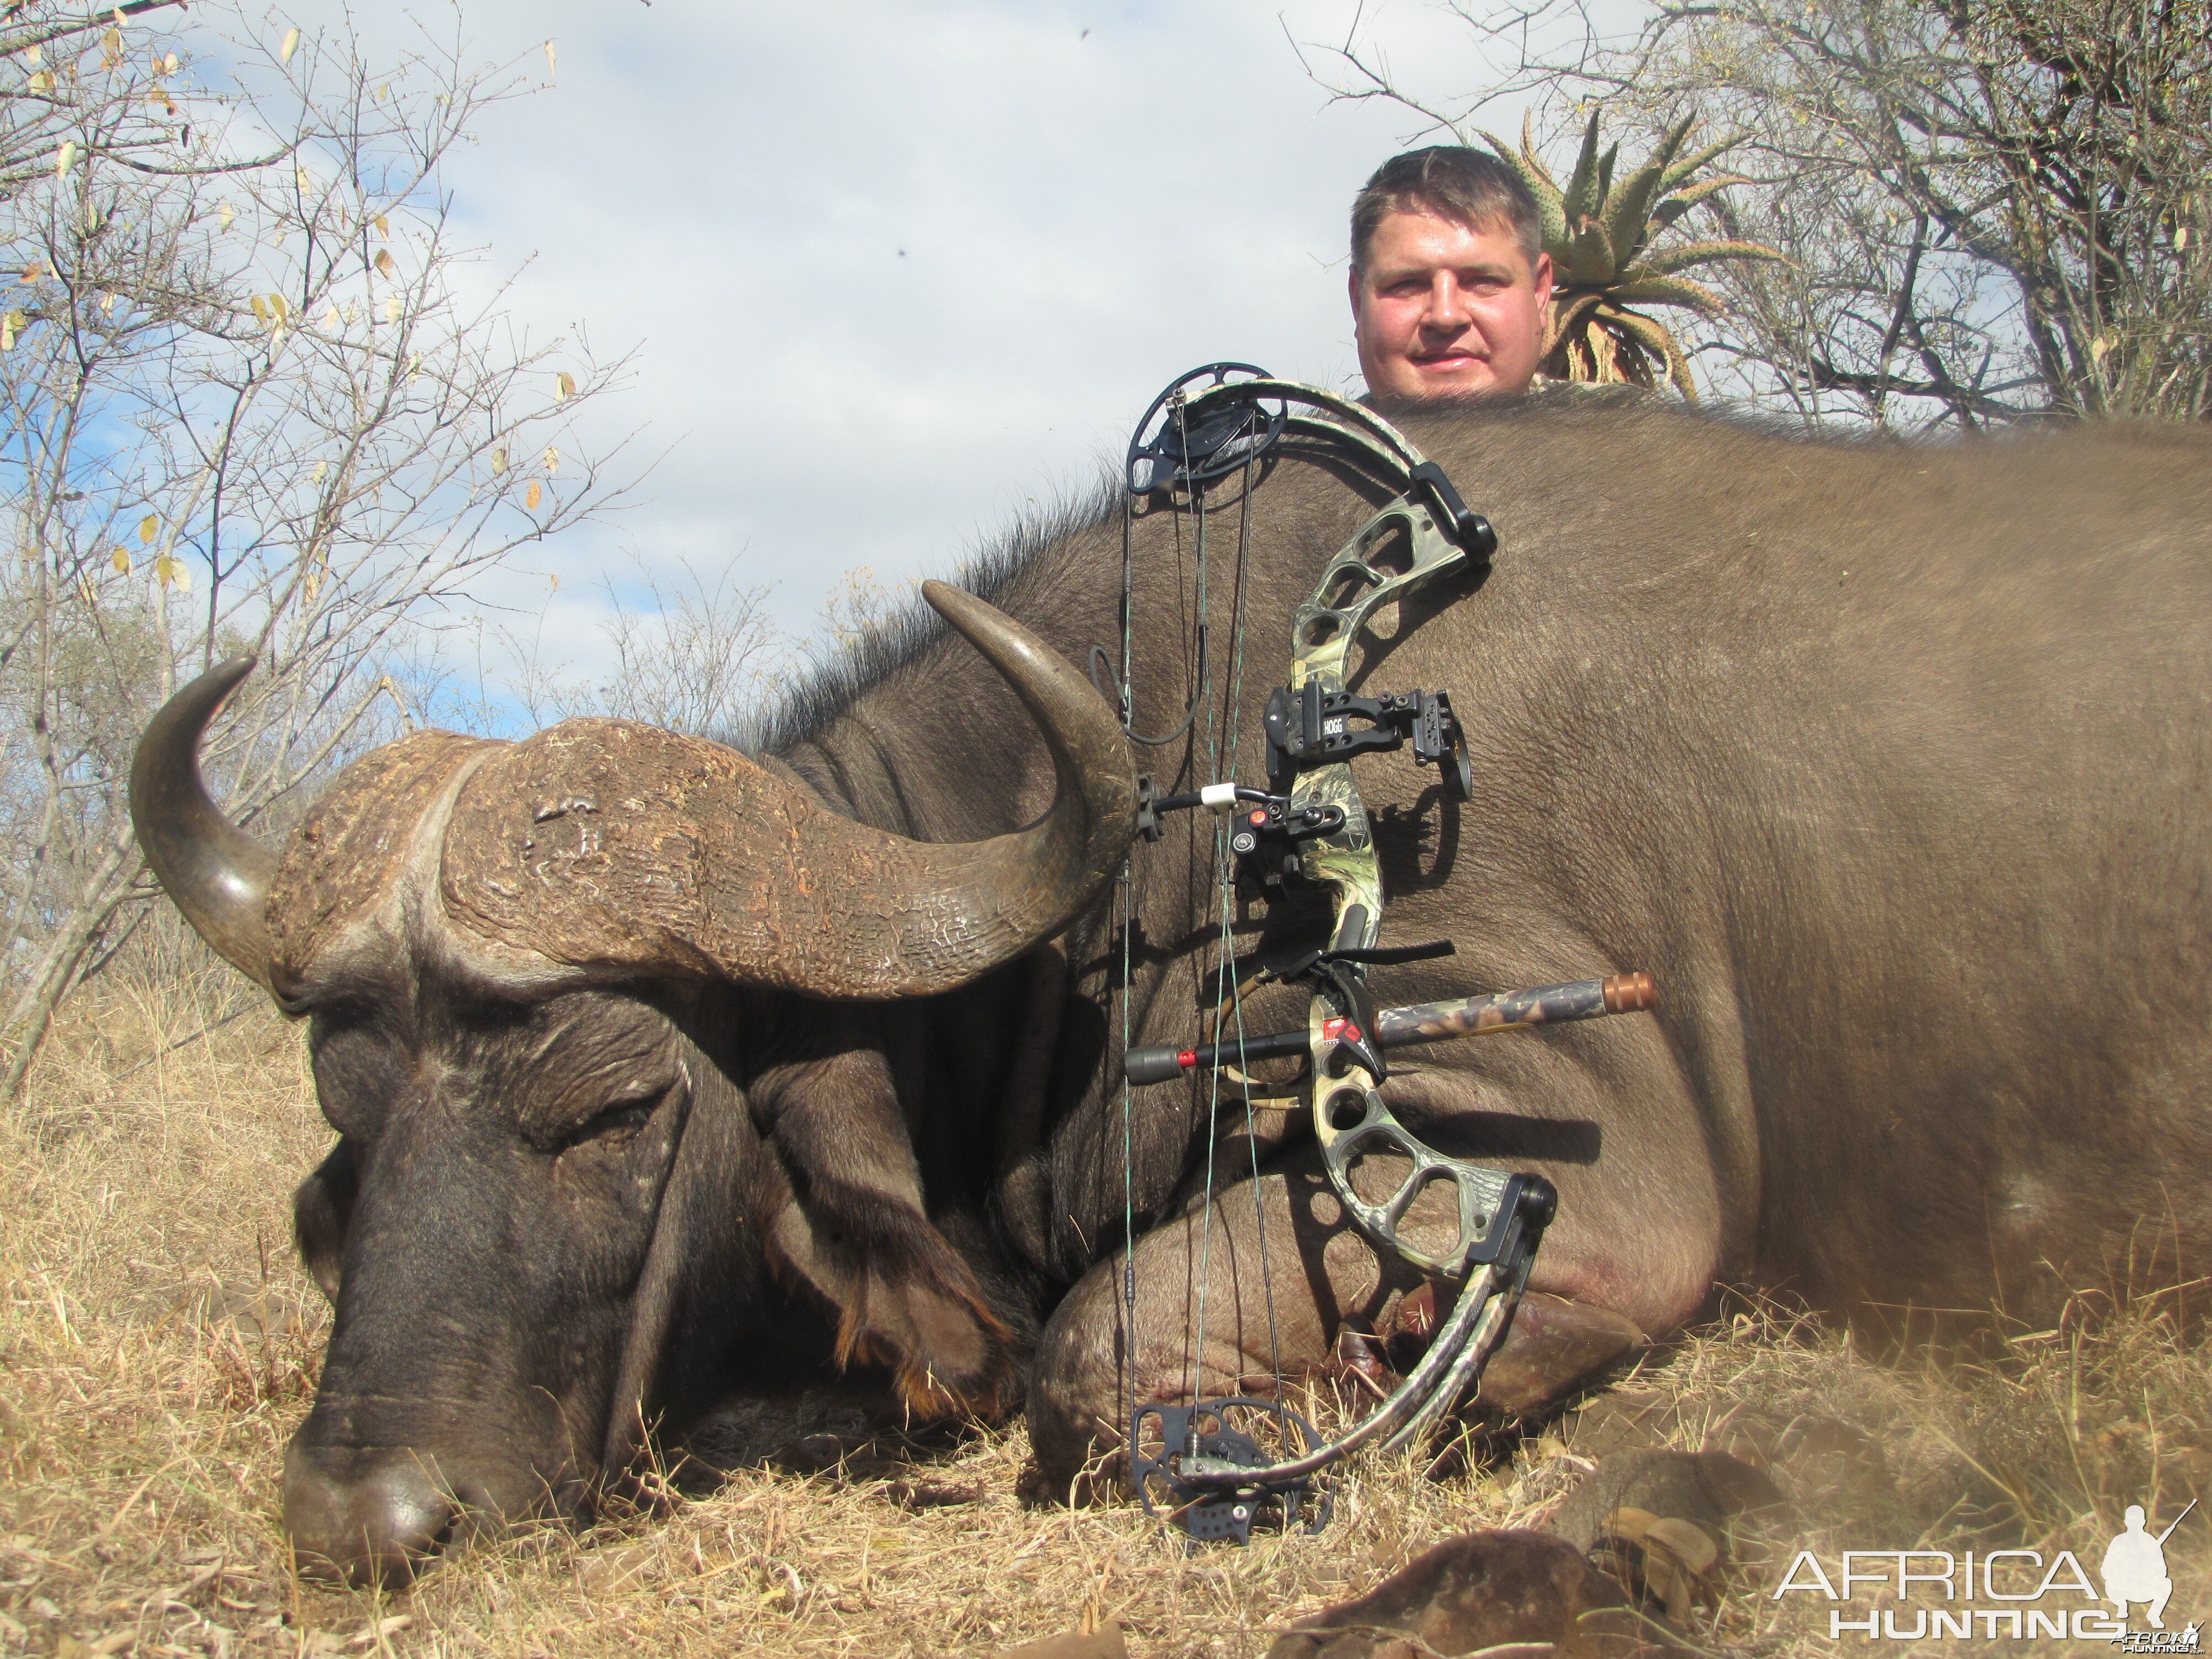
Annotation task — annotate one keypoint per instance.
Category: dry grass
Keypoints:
(158, 1344)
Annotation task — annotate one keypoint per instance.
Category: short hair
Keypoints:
(1468, 186)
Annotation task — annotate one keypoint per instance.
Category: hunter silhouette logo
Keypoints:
(2001, 1594)
(2134, 1567)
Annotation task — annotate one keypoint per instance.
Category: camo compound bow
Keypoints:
(1310, 826)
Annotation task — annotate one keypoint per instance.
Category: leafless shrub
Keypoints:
(699, 654)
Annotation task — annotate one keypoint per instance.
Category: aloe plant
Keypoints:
(1599, 233)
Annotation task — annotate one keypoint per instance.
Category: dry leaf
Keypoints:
(552, 66)
(107, 303)
(383, 226)
(170, 572)
(224, 215)
(277, 304)
(330, 318)
(1630, 1524)
(537, 495)
(169, 65)
(121, 561)
(321, 468)
(382, 90)
(42, 82)
(498, 462)
(64, 157)
(564, 386)
(84, 588)
(1688, 1543)
(391, 309)
(34, 51)
(261, 310)
(148, 527)
(552, 460)
(307, 180)
(291, 45)
(384, 260)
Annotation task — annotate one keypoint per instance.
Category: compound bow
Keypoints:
(1310, 826)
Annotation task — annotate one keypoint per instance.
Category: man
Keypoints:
(1450, 284)
(2135, 1568)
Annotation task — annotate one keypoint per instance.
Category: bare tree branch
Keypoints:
(243, 408)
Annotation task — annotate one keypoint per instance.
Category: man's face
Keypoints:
(1443, 310)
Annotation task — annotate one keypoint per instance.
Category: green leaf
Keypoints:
(1529, 149)
(1634, 290)
(1678, 171)
(1668, 261)
(1628, 210)
(1690, 195)
(1581, 192)
(1591, 264)
(1549, 208)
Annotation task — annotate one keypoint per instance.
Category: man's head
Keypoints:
(1449, 281)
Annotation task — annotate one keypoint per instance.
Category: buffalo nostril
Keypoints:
(364, 1518)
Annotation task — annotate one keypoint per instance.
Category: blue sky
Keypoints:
(894, 270)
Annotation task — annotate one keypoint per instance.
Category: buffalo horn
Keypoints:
(621, 847)
(216, 873)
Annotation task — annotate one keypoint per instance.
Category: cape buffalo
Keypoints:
(1886, 759)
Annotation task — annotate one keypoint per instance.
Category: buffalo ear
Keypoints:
(322, 1209)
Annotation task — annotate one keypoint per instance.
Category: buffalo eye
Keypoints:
(615, 1126)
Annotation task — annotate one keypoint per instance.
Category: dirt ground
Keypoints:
(158, 1344)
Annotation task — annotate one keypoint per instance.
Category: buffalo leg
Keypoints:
(1283, 1269)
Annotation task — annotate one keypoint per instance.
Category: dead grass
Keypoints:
(158, 1344)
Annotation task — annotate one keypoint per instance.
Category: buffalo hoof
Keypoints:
(1665, 1524)
(1709, 1489)
(378, 1525)
(1494, 1592)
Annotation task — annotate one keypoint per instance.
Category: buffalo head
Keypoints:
(586, 1011)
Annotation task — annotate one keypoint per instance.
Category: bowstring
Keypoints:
(1226, 878)
(1226, 990)
(1197, 1344)
(1129, 1125)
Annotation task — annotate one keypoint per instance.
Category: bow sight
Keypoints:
(1310, 827)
